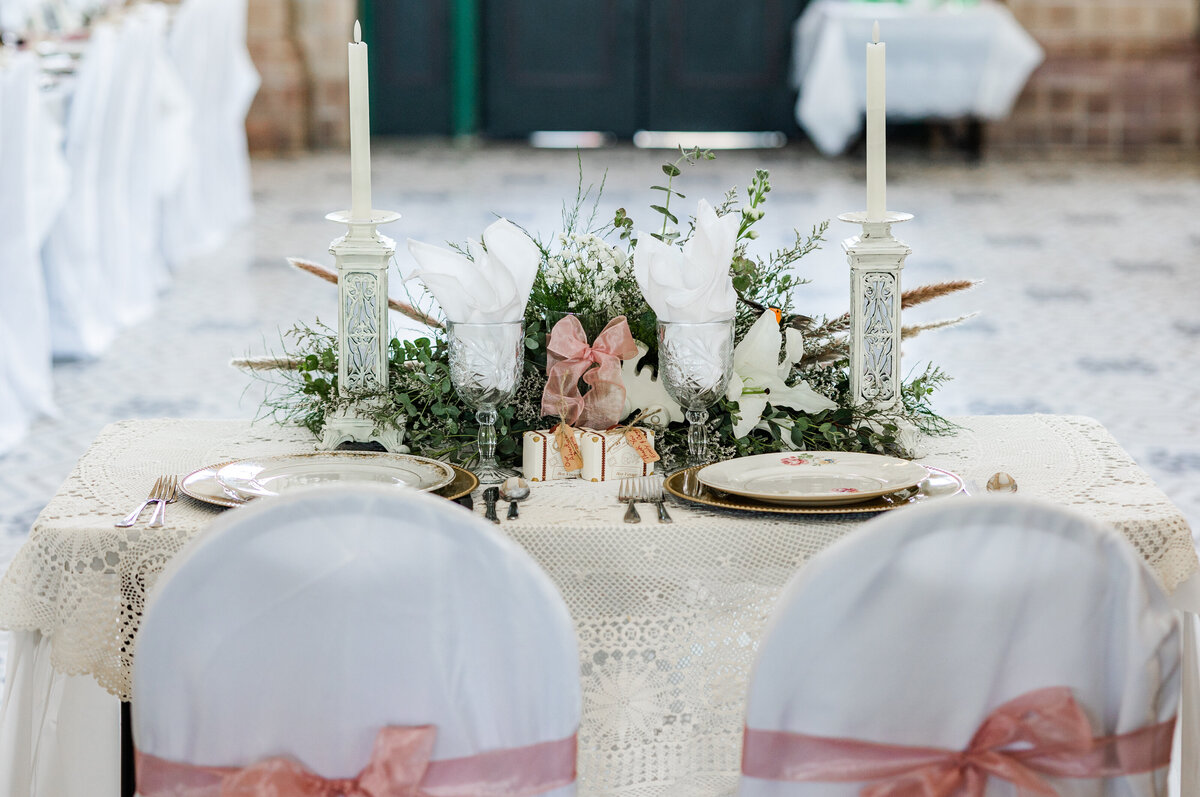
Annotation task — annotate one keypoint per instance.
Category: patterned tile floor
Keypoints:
(1089, 303)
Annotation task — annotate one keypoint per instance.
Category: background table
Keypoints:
(945, 63)
(668, 616)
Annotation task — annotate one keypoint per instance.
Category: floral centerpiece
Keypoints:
(790, 386)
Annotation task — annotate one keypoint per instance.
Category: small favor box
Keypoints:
(612, 455)
(541, 460)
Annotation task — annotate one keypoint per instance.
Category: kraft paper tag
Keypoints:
(636, 438)
(568, 449)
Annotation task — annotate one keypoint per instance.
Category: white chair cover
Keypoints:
(208, 47)
(138, 161)
(78, 275)
(913, 629)
(35, 178)
(303, 625)
(128, 140)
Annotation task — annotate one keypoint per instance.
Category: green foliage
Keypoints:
(583, 273)
(672, 170)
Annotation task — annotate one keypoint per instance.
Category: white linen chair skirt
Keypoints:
(913, 629)
(303, 625)
(35, 176)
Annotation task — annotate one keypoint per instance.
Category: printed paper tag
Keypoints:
(636, 438)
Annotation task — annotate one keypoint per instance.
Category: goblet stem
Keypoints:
(489, 470)
(697, 436)
(486, 437)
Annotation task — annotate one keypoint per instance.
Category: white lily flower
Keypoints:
(759, 378)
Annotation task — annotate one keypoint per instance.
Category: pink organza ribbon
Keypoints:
(569, 358)
(1043, 732)
(399, 767)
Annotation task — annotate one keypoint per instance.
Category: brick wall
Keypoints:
(1121, 76)
(299, 47)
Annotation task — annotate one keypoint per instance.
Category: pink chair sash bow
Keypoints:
(399, 767)
(569, 358)
(1043, 732)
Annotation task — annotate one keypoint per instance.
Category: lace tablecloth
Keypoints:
(668, 615)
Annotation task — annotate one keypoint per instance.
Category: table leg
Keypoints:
(1189, 708)
(128, 778)
(973, 140)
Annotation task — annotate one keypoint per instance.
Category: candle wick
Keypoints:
(874, 32)
(358, 32)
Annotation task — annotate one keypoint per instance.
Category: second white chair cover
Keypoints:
(302, 626)
(912, 630)
(35, 177)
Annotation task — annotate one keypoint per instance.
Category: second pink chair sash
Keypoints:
(1043, 732)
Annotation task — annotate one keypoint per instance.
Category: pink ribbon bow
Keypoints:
(1043, 732)
(569, 358)
(399, 767)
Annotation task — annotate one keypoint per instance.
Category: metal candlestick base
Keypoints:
(362, 256)
(876, 258)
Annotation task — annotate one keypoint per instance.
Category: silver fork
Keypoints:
(653, 486)
(170, 492)
(133, 516)
(628, 493)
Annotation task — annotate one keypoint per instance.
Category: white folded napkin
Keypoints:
(490, 286)
(692, 283)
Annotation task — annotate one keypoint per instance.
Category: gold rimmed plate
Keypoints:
(938, 484)
(812, 478)
(282, 473)
(203, 485)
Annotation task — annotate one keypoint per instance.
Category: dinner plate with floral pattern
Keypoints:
(812, 477)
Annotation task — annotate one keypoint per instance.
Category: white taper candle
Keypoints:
(360, 128)
(876, 133)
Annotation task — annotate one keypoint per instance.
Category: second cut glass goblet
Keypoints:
(695, 362)
(486, 361)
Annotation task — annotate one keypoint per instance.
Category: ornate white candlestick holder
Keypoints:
(362, 256)
(876, 259)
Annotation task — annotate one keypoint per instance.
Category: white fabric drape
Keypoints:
(60, 735)
(35, 179)
(914, 629)
(304, 625)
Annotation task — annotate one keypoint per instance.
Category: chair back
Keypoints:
(35, 181)
(79, 275)
(915, 629)
(302, 626)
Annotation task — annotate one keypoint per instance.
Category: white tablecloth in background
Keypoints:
(948, 63)
(667, 615)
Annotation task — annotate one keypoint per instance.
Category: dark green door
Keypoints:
(612, 65)
(720, 65)
(411, 69)
(561, 65)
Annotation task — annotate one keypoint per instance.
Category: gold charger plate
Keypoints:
(684, 485)
(202, 485)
